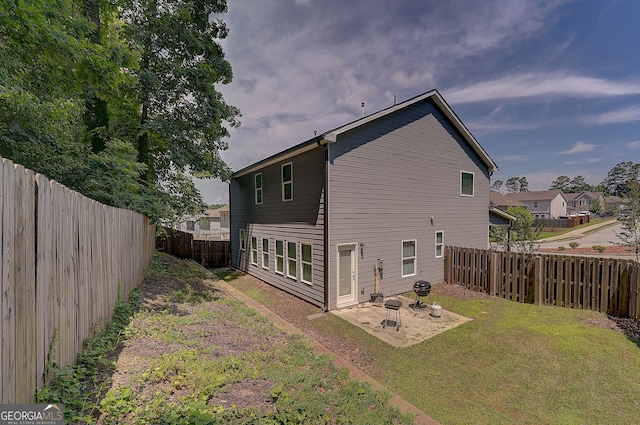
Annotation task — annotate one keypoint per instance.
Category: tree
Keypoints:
(498, 237)
(578, 184)
(117, 99)
(560, 183)
(523, 236)
(497, 185)
(629, 218)
(517, 184)
(619, 178)
(596, 207)
(41, 51)
(182, 117)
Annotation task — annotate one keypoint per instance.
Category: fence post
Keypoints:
(447, 265)
(537, 280)
(494, 271)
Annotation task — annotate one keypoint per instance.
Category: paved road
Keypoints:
(606, 237)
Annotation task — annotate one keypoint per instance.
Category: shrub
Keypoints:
(574, 244)
(598, 248)
(561, 248)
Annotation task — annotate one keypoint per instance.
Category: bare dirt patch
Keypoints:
(244, 394)
(219, 335)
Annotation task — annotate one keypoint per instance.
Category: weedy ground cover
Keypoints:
(190, 354)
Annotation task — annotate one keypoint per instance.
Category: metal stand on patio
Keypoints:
(390, 306)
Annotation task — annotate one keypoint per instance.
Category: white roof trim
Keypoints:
(499, 212)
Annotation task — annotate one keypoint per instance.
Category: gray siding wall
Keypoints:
(386, 180)
(300, 220)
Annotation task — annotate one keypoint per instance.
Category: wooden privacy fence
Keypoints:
(181, 244)
(608, 285)
(65, 259)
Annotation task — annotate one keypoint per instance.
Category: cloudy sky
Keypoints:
(548, 88)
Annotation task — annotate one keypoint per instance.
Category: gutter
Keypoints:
(325, 144)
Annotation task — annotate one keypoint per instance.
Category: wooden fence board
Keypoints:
(208, 253)
(64, 283)
(601, 284)
(8, 295)
(44, 282)
(24, 280)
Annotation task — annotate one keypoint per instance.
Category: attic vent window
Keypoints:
(466, 183)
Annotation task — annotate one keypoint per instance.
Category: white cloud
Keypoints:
(633, 145)
(542, 84)
(582, 161)
(580, 147)
(623, 115)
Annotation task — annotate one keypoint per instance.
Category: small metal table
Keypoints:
(392, 305)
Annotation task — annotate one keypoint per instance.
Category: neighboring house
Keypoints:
(502, 202)
(498, 216)
(546, 204)
(612, 204)
(212, 225)
(580, 202)
(381, 196)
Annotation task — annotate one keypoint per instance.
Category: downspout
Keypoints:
(325, 147)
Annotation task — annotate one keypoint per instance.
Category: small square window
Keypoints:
(466, 184)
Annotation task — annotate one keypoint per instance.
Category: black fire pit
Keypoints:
(422, 288)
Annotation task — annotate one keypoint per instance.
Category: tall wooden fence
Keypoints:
(608, 285)
(181, 244)
(64, 261)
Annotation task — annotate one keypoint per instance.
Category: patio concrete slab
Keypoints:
(415, 325)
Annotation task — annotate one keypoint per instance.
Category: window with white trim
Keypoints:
(265, 253)
(439, 244)
(306, 263)
(292, 260)
(279, 257)
(408, 258)
(254, 250)
(287, 182)
(191, 225)
(243, 240)
(258, 188)
(466, 183)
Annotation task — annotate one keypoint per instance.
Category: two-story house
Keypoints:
(583, 202)
(544, 204)
(212, 225)
(380, 196)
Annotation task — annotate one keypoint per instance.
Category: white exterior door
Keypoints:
(347, 275)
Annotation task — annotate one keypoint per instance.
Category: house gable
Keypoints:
(398, 179)
(388, 188)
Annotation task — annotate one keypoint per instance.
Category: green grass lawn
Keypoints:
(585, 227)
(514, 363)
